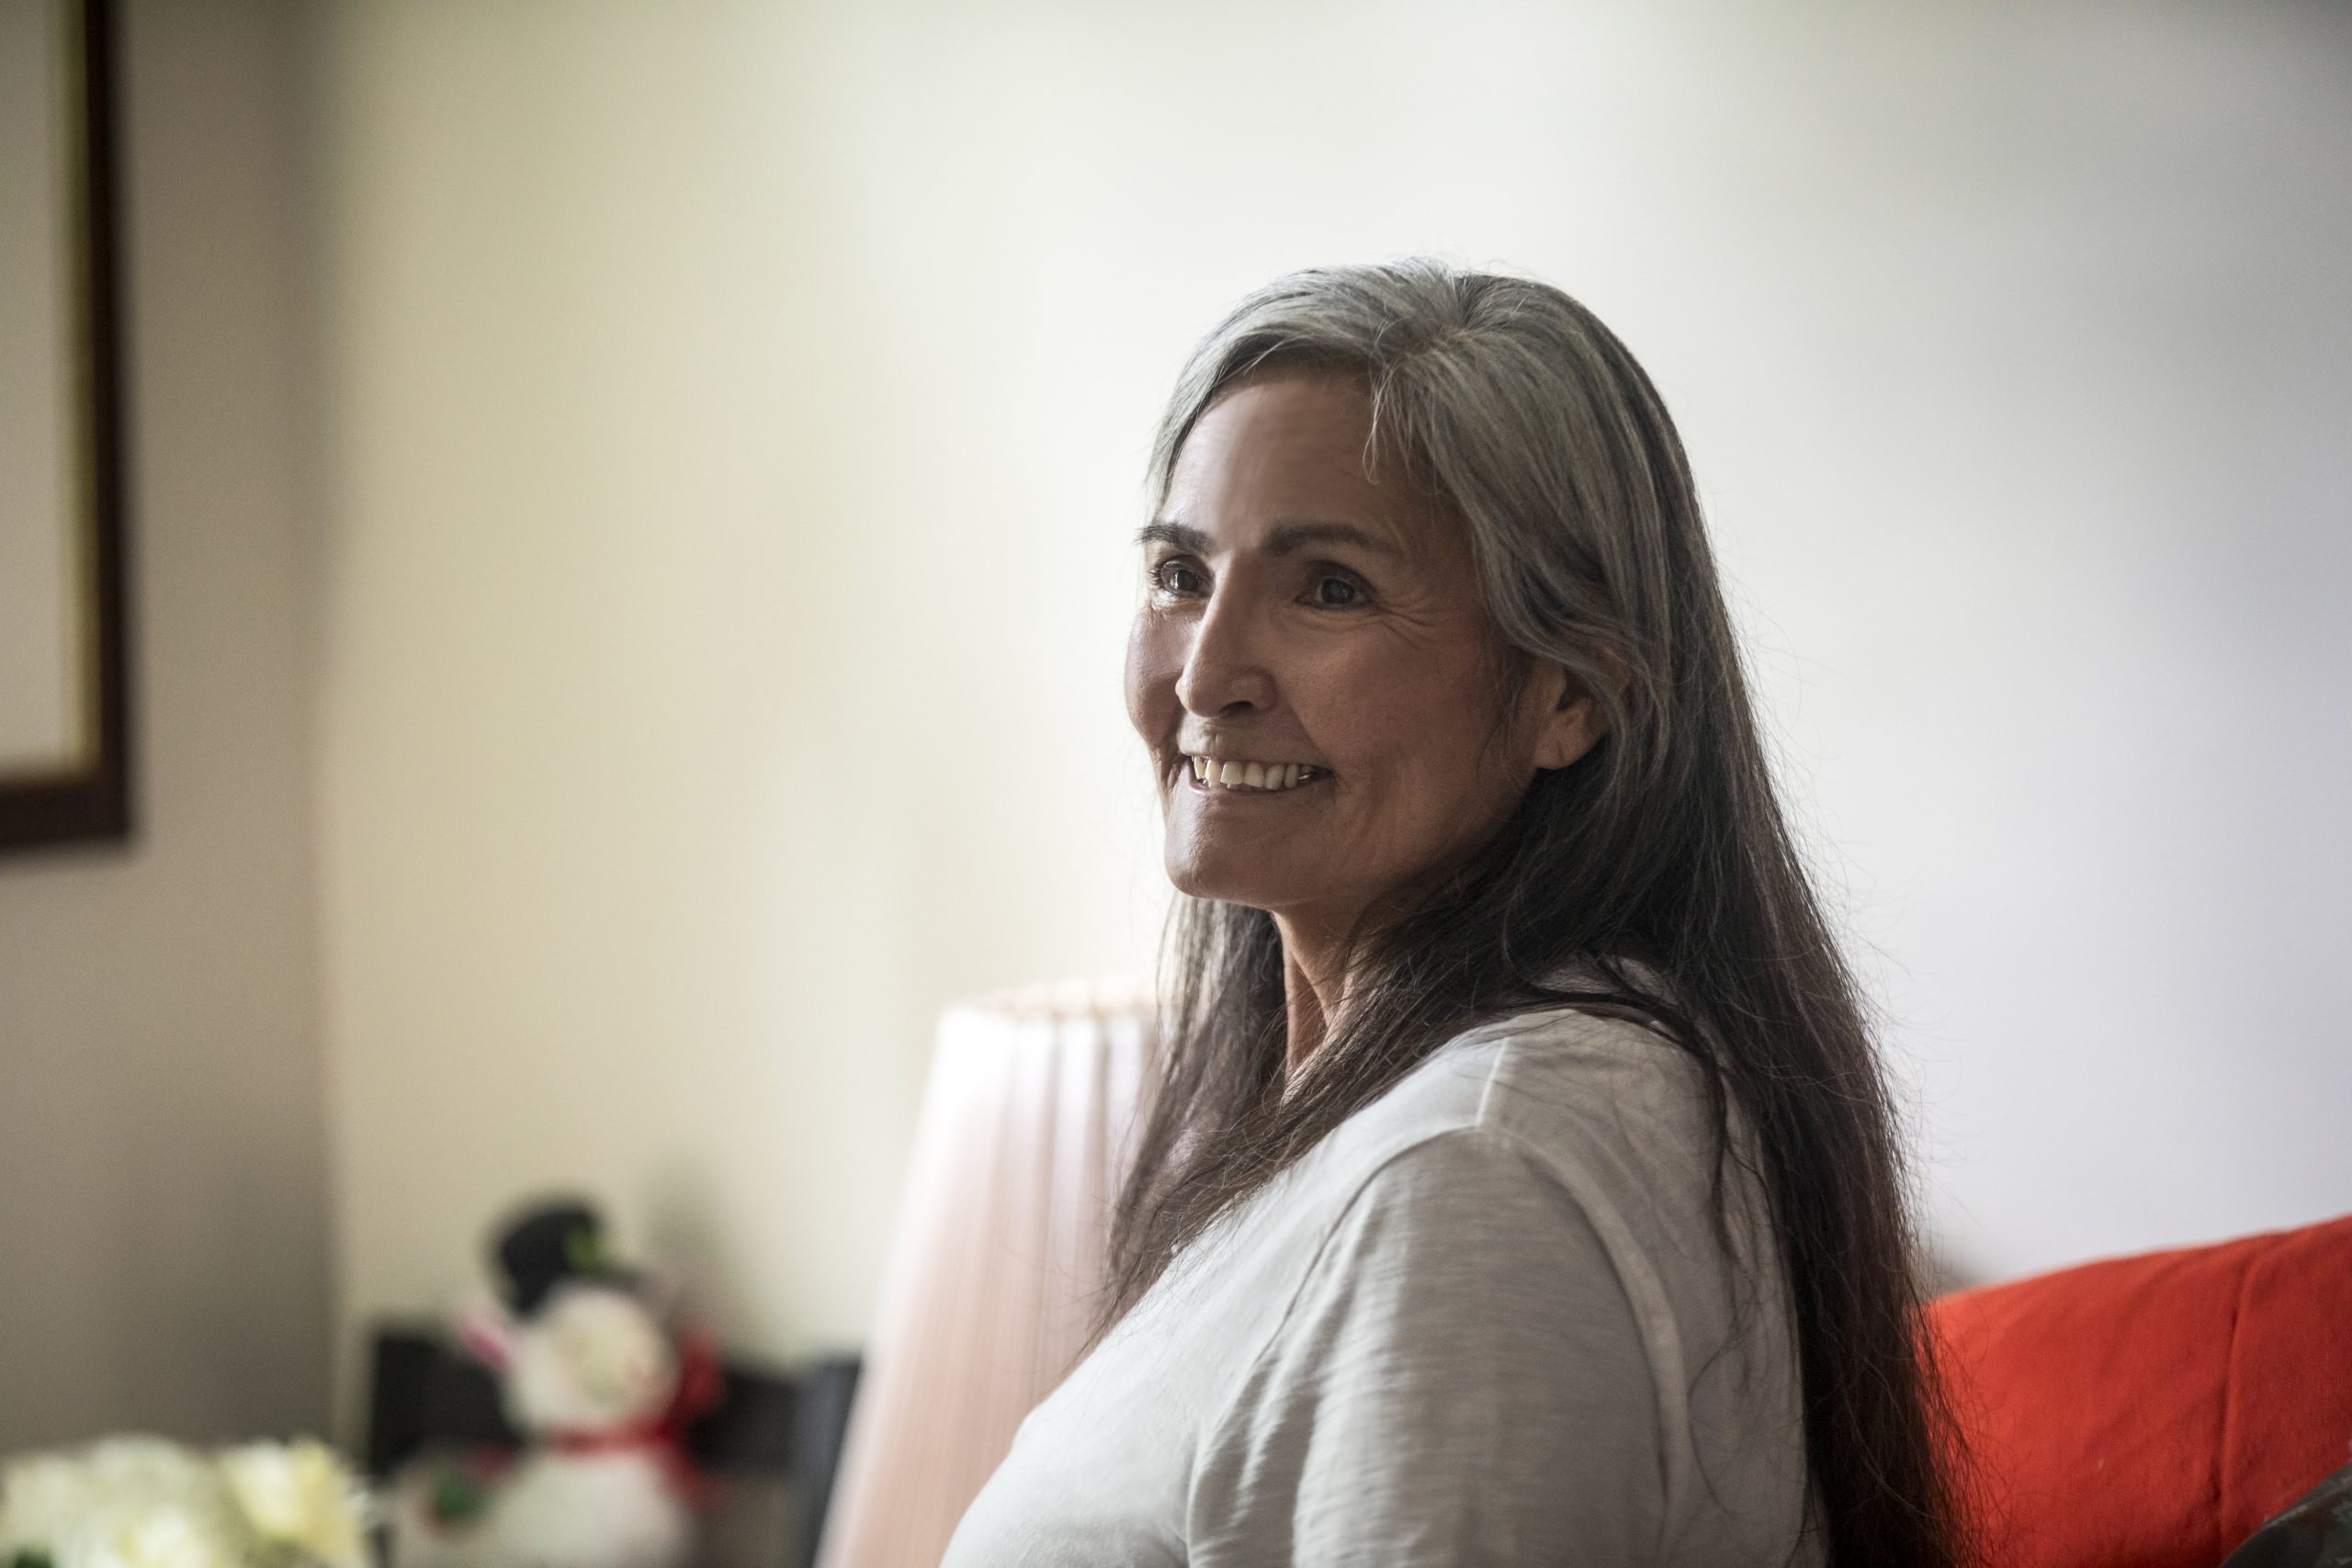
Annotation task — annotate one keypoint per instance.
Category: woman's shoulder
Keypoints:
(1573, 1071)
(1605, 1108)
(1552, 1080)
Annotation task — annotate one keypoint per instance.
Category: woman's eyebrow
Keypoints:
(1183, 535)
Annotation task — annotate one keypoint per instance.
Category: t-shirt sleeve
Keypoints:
(1461, 1380)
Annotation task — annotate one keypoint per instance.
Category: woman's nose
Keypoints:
(1225, 670)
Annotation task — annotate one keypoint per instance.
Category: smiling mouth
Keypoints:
(1266, 778)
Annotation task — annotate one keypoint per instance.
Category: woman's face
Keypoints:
(1313, 669)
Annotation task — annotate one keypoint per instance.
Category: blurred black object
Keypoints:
(426, 1394)
(2315, 1533)
(552, 1242)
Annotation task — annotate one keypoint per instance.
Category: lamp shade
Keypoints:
(996, 1264)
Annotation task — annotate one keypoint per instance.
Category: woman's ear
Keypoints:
(1571, 723)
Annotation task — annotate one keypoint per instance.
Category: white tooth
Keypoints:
(1201, 768)
(1229, 775)
(1256, 776)
(1290, 775)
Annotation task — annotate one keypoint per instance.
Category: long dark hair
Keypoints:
(1661, 859)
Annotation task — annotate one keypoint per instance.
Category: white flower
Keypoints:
(164, 1536)
(40, 1498)
(93, 1507)
(298, 1495)
(143, 1503)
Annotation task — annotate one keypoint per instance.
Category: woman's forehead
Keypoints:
(1291, 457)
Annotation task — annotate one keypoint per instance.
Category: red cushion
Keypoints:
(2151, 1412)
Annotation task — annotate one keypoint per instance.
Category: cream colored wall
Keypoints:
(734, 431)
(164, 1260)
(709, 699)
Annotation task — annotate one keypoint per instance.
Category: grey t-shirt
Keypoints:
(1489, 1320)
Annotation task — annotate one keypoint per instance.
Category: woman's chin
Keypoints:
(1241, 878)
(1222, 890)
(1216, 877)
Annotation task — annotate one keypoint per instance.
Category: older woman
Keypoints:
(1519, 1186)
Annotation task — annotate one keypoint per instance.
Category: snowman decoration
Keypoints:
(602, 1394)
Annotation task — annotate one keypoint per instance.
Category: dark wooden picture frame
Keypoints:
(84, 791)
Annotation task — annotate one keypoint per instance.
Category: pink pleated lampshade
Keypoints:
(997, 1263)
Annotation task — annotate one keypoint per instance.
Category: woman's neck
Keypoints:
(1314, 988)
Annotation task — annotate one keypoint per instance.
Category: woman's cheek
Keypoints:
(1150, 679)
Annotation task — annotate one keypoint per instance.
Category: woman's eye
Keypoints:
(1175, 577)
(1338, 594)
